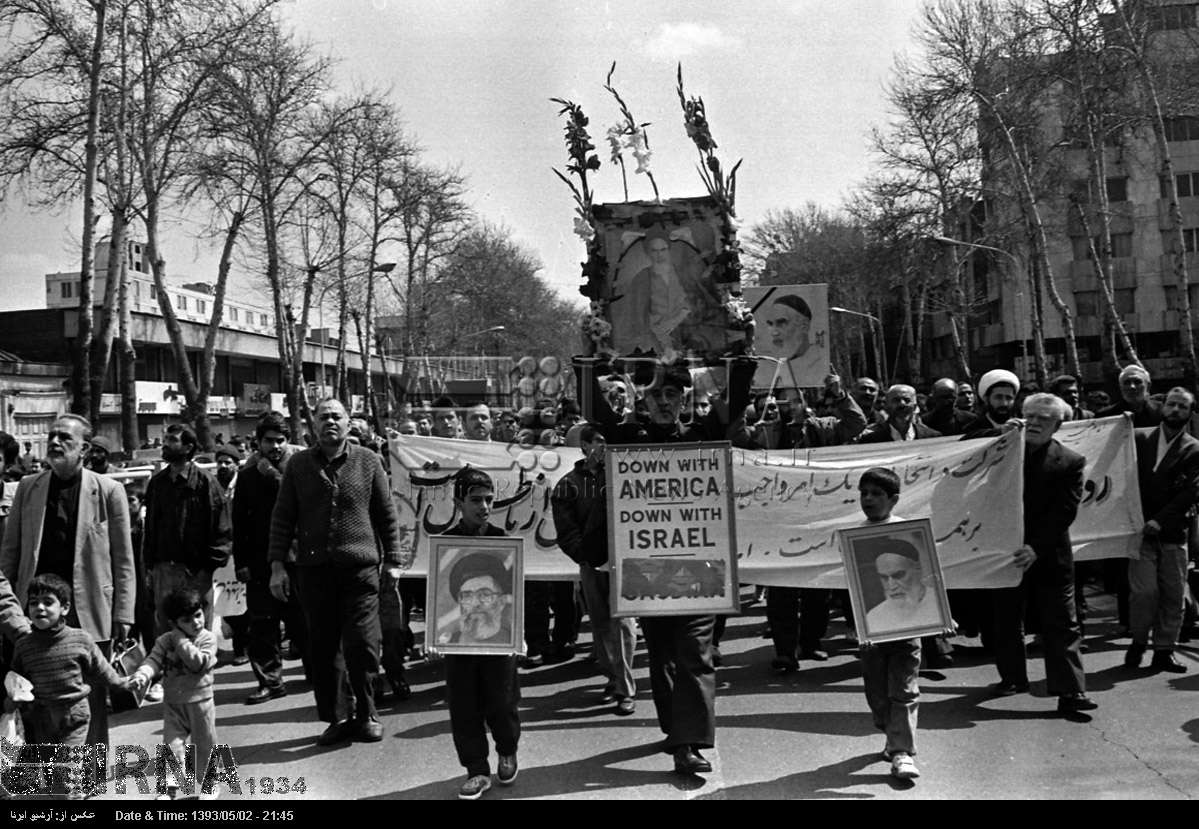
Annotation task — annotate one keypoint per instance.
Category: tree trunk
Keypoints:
(81, 370)
(1102, 260)
(366, 348)
(127, 365)
(904, 346)
(103, 338)
(389, 397)
(1037, 309)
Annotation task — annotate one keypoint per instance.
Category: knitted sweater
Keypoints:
(60, 663)
(339, 511)
(185, 666)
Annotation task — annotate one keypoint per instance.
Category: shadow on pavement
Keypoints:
(827, 783)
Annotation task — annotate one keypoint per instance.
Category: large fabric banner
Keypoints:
(789, 505)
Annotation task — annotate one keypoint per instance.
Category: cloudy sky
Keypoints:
(790, 87)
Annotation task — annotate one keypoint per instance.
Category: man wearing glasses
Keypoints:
(483, 590)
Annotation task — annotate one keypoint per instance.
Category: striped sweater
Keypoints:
(61, 663)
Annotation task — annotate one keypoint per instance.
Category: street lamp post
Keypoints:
(881, 354)
(1017, 267)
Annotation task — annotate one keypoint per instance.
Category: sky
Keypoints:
(792, 88)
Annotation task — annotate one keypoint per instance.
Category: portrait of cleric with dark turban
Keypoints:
(475, 601)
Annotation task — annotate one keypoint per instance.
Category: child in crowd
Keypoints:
(60, 662)
(482, 689)
(184, 658)
(891, 669)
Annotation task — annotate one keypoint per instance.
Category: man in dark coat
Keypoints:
(1053, 477)
(1168, 474)
(943, 415)
(902, 423)
(1134, 398)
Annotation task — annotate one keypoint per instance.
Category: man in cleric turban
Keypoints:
(482, 587)
(997, 389)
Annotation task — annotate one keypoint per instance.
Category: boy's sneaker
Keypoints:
(474, 787)
(506, 771)
(154, 693)
(903, 766)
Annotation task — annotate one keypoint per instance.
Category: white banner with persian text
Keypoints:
(790, 505)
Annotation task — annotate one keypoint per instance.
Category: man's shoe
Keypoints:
(813, 654)
(265, 694)
(626, 706)
(533, 660)
(239, 659)
(401, 689)
(338, 732)
(903, 766)
(1166, 661)
(784, 665)
(154, 694)
(369, 731)
(1074, 703)
(506, 770)
(1008, 689)
(474, 787)
(689, 761)
(608, 694)
(1132, 656)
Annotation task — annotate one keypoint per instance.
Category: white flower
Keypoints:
(641, 151)
(583, 229)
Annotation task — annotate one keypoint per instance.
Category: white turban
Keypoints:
(996, 377)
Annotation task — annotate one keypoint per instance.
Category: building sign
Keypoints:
(279, 403)
(255, 398)
(672, 545)
(221, 405)
(158, 398)
(110, 404)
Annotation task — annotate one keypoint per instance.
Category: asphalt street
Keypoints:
(803, 735)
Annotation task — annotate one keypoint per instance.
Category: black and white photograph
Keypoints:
(476, 595)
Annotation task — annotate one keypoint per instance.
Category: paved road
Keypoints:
(807, 735)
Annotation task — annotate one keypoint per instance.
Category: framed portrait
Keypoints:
(672, 539)
(792, 335)
(662, 295)
(895, 581)
(476, 598)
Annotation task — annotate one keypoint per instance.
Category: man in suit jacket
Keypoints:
(943, 415)
(1134, 392)
(1168, 474)
(902, 423)
(74, 523)
(1053, 477)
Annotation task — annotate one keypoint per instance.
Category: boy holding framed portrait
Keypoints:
(898, 595)
(476, 607)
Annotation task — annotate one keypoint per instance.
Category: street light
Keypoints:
(1017, 266)
(882, 348)
(384, 267)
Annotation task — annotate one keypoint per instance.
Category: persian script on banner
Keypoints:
(788, 505)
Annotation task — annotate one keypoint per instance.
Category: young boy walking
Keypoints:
(483, 690)
(184, 658)
(891, 669)
(61, 662)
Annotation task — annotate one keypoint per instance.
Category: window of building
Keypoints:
(1117, 189)
(182, 302)
(1121, 246)
(1188, 185)
(265, 323)
(1086, 303)
(1171, 293)
(232, 314)
(1190, 240)
(1164, 18)
(153, 292)
(1125, 303)
(201, 306)
(1182, 128)
(67, 288)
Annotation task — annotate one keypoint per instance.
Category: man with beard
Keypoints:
(865, 394)
(904, 604)
(1053, 477)
(253, 501)
(483, 689)
(335, 504)
(188, 533)
(73, 523)
(1168, 473)
(997, 389)
(478, 422)
(97, 456)
(228, 460)
(1066, 387)
(943, 415)
(902, 423)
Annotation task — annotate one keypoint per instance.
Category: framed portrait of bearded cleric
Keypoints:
(792, 343)
(672, 544)
(660, 293)
(895, 582)
(476, 598)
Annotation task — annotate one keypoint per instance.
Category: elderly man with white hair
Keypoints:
(1135, 385)
(1053, 478)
